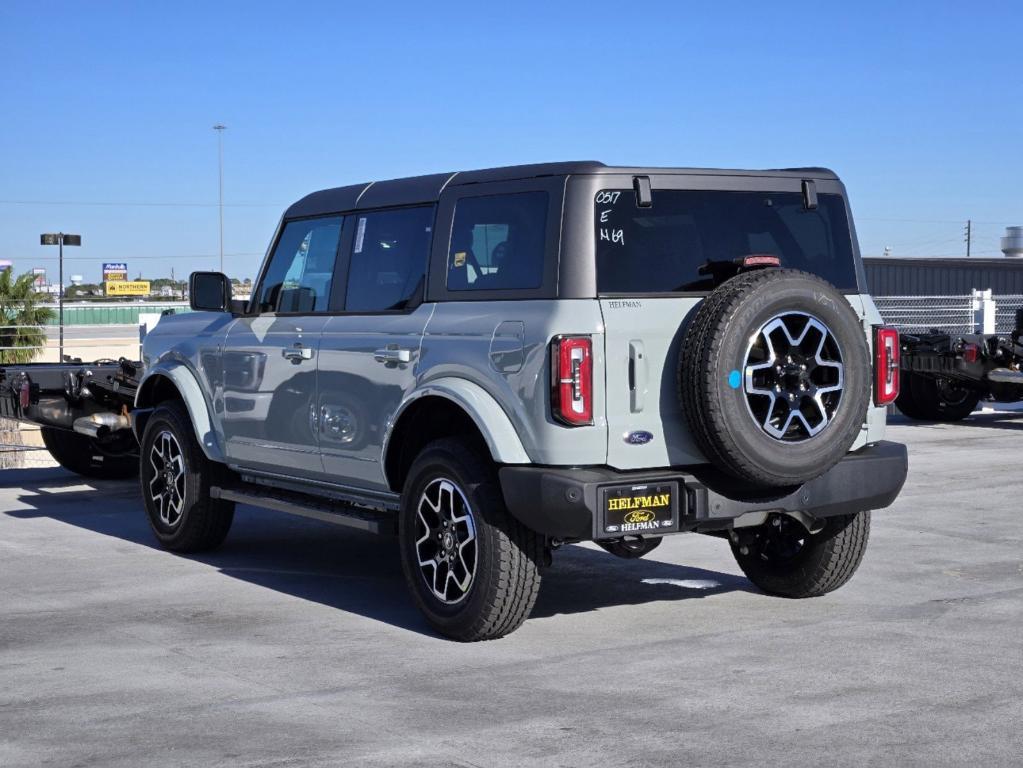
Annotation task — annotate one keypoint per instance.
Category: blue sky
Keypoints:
(919, 106)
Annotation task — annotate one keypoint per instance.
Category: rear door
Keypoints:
(369, 350)
(269, 360)
(650, 282)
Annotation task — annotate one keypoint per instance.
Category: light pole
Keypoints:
(60, 239)
(220, 183)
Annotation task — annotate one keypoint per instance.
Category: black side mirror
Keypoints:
(209, 292)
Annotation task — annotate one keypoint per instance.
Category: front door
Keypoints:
(369, 353)
(270, 356)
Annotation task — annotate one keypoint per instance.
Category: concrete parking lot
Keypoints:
(296, 644)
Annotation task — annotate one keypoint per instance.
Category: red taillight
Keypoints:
(971, 353)
(572, 368)
(886, 364)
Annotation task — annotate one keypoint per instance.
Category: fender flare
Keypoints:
(489, 417)
(185, 381)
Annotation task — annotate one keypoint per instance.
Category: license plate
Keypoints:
(635, 510)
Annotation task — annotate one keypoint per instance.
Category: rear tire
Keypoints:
(87, 456)
(926, 398)
(782, 558)
(176, 477)
(472, 568)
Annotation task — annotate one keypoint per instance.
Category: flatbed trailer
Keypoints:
(83, 411)
(945, 376)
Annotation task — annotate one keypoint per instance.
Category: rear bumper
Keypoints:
(562, 502)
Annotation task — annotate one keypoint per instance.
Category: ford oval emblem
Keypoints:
(640, 437)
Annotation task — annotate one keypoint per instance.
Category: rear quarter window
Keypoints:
(666, 247)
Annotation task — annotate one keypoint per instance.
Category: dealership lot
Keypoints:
(297, 643)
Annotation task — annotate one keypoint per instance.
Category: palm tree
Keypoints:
(21, 339)
(22, 336)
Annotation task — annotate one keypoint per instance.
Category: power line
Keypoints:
(139, 205)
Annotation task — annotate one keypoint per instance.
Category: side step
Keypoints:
(304, 505)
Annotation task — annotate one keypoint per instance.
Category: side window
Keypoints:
(498, 242)
(302, 267)
(389, 255)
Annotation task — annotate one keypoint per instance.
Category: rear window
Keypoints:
(497, 242)
(662, 248)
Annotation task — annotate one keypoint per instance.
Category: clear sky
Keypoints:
(106, 110)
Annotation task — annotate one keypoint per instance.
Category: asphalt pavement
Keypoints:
(296, 643)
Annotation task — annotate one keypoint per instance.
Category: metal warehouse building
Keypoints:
(943, 277)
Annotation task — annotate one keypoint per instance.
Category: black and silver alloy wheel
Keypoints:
(472, 568)
(446, 541)
(176, 479)
(794, 376)
(167, 484)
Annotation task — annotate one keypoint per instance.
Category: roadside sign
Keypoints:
(128, 288)
(40, 276)
(117, 270)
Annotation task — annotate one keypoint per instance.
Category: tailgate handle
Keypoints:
(637, 376)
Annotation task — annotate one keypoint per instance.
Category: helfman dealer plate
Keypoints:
(635, 510)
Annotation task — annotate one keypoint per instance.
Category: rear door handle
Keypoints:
(393, 355)
(637, 376)
(298, 353)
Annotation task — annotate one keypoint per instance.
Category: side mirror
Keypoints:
(209, 292)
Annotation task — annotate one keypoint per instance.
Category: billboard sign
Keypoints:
(117, 270)
(40, 276)
(128, 288)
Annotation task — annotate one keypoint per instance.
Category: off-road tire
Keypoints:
(87, 456)
(826, 561)
(203, 523)
(922, 398)
(508, 555)
(631, 549)
(714, 350)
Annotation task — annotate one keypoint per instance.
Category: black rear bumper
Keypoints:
(562, 502)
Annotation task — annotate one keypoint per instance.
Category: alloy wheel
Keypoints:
(167, 486)
(794, 376)
(446, 544)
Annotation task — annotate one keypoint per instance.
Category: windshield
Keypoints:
(661, 248)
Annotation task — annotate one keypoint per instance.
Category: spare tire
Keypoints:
(775, 377)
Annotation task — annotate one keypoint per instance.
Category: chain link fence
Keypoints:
(1005, 312)
(951, 314)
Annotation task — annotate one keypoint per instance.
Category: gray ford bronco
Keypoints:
(493, 364)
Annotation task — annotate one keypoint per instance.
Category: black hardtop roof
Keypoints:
(426, 189)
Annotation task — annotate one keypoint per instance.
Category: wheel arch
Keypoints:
(177, 382)
(452, 407)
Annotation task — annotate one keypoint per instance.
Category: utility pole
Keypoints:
(220, 183)
(60, 239)
(969, 236)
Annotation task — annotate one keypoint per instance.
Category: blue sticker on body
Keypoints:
(734, 379)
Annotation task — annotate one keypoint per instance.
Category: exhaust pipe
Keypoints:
(1005, 376)
(99, 425)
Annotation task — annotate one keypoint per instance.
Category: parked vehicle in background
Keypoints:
(945, 376)
(493, 364)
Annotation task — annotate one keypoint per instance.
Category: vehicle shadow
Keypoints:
(350, 570)
(985, 420)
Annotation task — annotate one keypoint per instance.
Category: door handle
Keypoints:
(298, 353)
(393, 355)
(637, 377)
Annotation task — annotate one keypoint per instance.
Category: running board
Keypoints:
(304, 505)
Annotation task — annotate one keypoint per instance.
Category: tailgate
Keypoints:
(645, 424)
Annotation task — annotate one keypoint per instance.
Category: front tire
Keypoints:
(176, 477)
(783, 558)
(87, 456)
(473, 569)
(927, 398)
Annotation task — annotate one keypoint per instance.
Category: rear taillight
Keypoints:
(886, 365)
(572, 374)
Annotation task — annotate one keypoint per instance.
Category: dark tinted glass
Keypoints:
(302, 267)
(389, 257)
(661, 248)
(498, 242)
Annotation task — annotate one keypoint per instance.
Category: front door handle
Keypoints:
(393, 355)
(297, 353)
